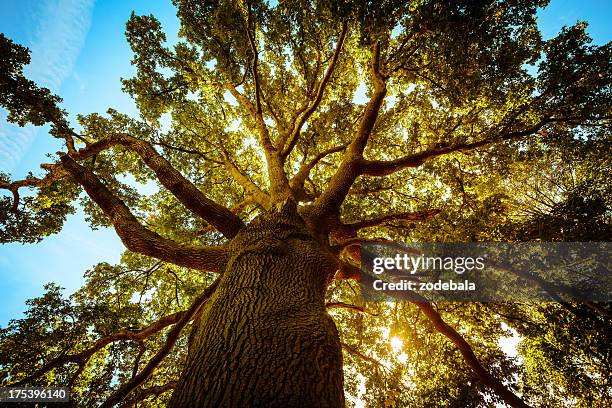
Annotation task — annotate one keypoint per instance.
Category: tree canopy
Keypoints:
(411, 121)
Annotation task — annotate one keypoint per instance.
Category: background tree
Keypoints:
(237, 286)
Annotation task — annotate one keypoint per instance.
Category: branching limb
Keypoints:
(405, 216)
(54, 173)
(288, 142)
(384, 168)
(251, 189)
(470, 358)
(154, 391)
(136, 237)
(125, 389)
(189, 195)
(348, 306)
(82, 356)
(279, 184)
(332, 197)
(304, 171)
(347, 269)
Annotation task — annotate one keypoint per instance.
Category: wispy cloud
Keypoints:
(60, 28)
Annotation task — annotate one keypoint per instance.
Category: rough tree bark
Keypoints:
(264, 338)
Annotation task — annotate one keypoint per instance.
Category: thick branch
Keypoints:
(384, 168)
(332, 197)
(173, 335)
(348, 271)
(188, 194)
(251, 189)
(138, 238)
(220, 217)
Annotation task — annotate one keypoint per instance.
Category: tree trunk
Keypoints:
(264, 338)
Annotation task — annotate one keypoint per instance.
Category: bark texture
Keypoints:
(264, 338)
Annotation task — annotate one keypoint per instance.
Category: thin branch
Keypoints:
(302, 118)
(470, 358)
(125, 389)
(155, 391)
(304, 171)
(405, 216)
(199, 153)
(124, 334)
(356, 353)
(279, 184)
(348, 306)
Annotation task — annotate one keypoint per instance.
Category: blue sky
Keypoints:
(79, 52)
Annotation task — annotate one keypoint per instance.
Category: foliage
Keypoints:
(474, 114)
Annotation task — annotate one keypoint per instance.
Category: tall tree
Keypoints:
(280, 136)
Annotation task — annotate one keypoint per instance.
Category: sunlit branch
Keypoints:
(277, 119)
(304, 116)
(188, 194)
(384, 168)
(125, 389)
(54, 173)
(347, 271)
(356, 353)
(236, 209)
(331, 199)
(468, 354)
(279, 184)
(136, 237)
(348, 306)
(251, 189)
(254, 62)
(304, 171)
(405, 216)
